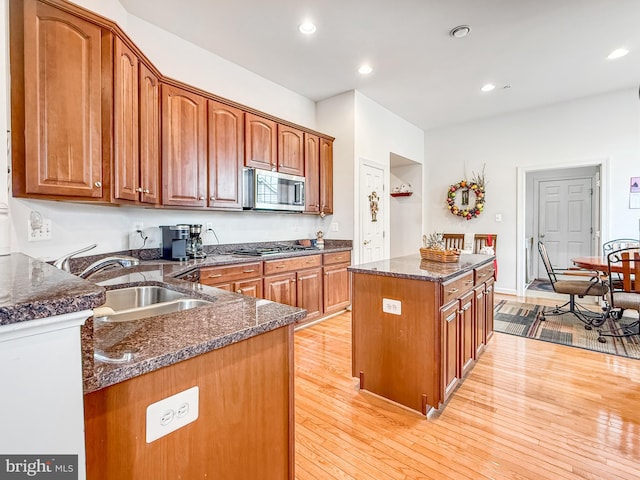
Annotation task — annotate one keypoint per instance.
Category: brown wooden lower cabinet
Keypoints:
(309, 292)
(281, 288)
(244, 429)
(450, 325)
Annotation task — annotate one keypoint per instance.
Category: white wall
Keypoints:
(76, 225)
(379, 133)
(567, 134)
(405, 230)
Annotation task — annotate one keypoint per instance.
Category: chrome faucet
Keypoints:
(109, 263)
(63, 262)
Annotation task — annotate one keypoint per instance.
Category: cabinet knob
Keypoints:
(201, 197)
(146, 190)
(98, 184)
(239, 290)
(139, 190)
(293, 280)
(212, 198)
(317, 206)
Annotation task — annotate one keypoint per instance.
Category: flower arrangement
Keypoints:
(476, 185)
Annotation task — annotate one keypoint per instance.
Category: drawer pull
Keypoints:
(280, 266)
(482, 275)
(453, 290)
(249, 271)
(468, 282)
(215, 275)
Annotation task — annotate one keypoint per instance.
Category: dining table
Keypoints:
(596, 263)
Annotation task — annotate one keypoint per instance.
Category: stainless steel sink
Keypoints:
(138, 297)
(134, 303)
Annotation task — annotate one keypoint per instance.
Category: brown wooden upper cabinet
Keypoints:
(136, 135)
(326, 176)
(312, 172)
(226, 155)
(184, 147)
(56, 101)
(261, 137)
(290, 150)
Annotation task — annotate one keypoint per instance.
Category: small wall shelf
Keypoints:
(401, 194)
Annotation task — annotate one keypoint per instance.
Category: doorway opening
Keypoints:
(564, 208)
(405, 206)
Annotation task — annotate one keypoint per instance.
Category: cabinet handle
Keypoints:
(98, 184)
(468, 282)
(453, 290)
(279, 266)
(248, 271)
(482, 275)
(215, 275)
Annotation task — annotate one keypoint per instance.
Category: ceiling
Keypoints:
(546, 51)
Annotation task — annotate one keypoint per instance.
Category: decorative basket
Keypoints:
(445, 256)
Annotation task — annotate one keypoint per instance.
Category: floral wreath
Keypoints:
(471, 211)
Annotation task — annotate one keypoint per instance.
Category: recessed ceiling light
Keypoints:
(307, 28)
(617, 53)
(488, 87)
(365, 69)
(460, 31)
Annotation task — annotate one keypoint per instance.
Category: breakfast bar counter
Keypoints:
(419, 326)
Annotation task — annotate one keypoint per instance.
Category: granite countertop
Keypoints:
(415, 268)
(32, 289)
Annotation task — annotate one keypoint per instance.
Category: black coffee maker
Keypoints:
(174, 242)
(195, 249)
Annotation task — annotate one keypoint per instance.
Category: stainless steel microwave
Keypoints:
(265, 190)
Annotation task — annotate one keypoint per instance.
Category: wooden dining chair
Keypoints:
(453, 240)
(482, 239)
(624, 291)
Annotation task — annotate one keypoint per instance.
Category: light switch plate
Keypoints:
(171, 413)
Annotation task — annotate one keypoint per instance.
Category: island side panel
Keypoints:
(245, 424)
(397, 356)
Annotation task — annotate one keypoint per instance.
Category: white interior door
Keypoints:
(372, 198)
(564, 220)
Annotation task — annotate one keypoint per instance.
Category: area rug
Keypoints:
(540, 285)
(521, 319)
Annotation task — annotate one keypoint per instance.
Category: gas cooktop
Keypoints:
(271, 250)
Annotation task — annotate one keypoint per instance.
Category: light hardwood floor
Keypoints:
(528, 410)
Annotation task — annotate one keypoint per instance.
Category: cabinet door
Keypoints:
(309, 292)
(226, 155)
(281, 288)
(261, 140)
(126, 169)
(467, 334)
(479, 314)
(290, 150)
(251, 288)
(184, 140)
(149, 136)
(312, 173)
(450, 348)
(489, 309)
(326, 176)
(62, 92)
(337, 288)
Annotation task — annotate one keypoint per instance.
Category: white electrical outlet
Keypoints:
(172, 413)
(334, 227)
(39, 231)
(392, 306)
(136, 240)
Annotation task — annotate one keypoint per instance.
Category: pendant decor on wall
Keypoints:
(373, 206)
(459, 202)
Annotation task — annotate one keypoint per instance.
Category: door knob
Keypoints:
(366, 242)
(541, 235)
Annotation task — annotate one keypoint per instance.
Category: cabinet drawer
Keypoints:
(228, 273)
(292, 264)
(337, 257)
(455, 288)
(484, 273)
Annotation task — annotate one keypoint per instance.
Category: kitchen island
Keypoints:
(419, 326)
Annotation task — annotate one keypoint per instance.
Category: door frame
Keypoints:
(600, 207)
(385, 208)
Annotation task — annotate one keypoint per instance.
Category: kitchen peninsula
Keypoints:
(419, 326)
